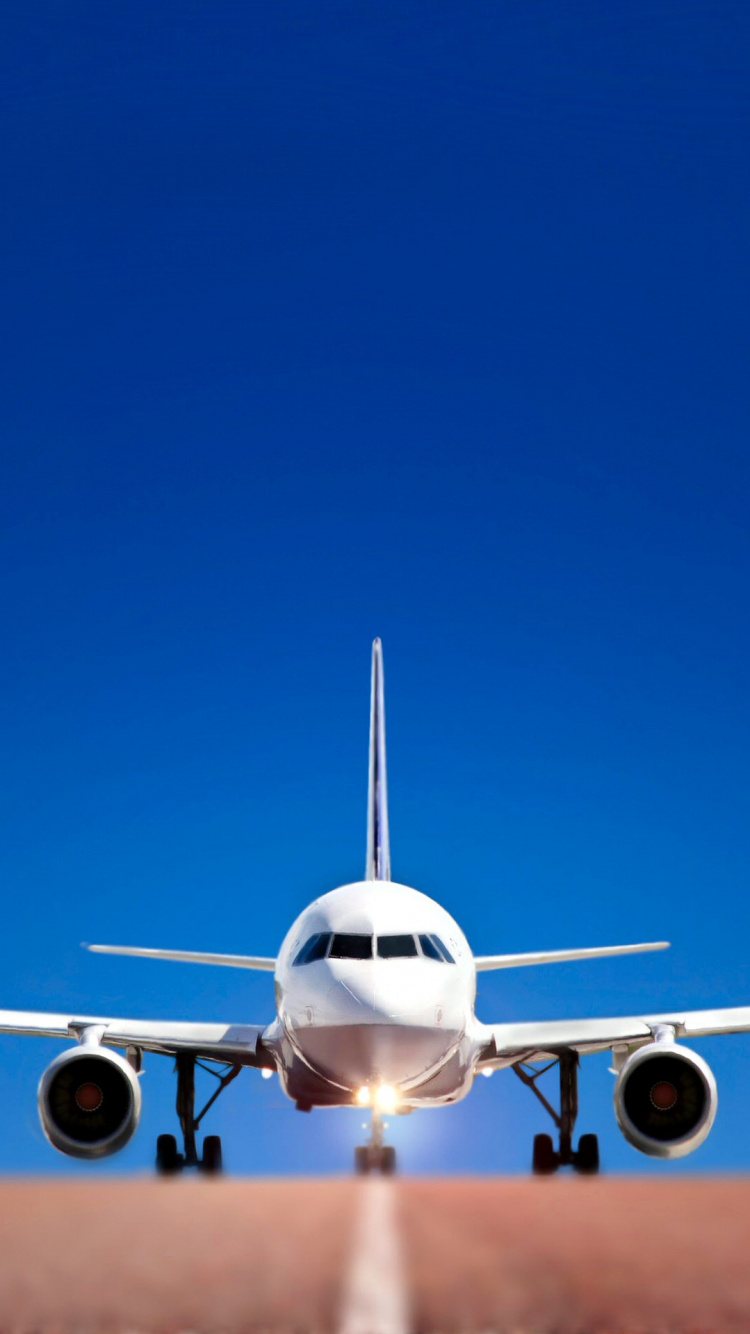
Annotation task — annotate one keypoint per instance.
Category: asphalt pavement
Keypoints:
(344, 1256)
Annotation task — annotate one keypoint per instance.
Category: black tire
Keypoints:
(587, 1158)
(168, 1160)
(362, 1161)
(545, 1161)
(213, 1161)
(388, 1160)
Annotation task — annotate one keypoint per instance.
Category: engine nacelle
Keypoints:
(89, 1102)
(665, 1100)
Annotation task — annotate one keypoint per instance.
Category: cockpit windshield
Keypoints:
(396, 947)
(345, 945)
(434, 948)
(314, 948)
(351, 947)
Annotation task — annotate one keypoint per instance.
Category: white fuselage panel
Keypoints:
(353, 1022)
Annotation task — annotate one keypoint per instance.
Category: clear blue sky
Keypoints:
(326, 321)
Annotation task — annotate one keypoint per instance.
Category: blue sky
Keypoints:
(326, 321)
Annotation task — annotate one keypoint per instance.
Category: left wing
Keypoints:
(484, 962)
(510, 1043)
(236, 1044)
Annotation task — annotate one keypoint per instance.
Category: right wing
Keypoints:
(510, 1043)
(235, 1044)
(261, 964)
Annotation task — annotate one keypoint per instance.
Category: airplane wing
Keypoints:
(485, 962)
(510, 1043)
(260, 964)
(235, 1044)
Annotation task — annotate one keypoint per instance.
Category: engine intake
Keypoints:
(665, 1100)
(89, 1102)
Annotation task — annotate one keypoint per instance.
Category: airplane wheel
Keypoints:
(168, 1160)
(545, 1160)
(388, 1161)
(587, 1158)
(362, 1161)
(212, 1163)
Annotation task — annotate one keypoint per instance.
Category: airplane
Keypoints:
(375, 987)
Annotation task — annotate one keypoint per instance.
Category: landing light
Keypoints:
(386, 1098)
(266, 1074)
(363, 1096)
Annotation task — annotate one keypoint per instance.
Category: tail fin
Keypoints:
(378, 838)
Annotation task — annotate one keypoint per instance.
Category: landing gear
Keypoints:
(546, 1158)
(369, 1159)
(587, 1158)
(375, 1156)
(212, 1163)
(169, 1161)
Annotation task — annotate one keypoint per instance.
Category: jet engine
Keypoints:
(665, 1100)
(89, 1102)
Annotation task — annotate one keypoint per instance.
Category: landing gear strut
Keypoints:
(169, 1160)
(375, 1156)
(546, 1158)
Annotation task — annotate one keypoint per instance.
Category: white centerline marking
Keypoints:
(375, 1299)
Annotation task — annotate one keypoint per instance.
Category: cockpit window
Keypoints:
(434, 948)
(430, 948)
(444, 950)
(314, 948)
(351, 947)
(396, 947)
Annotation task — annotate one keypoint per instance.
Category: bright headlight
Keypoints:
(386, 1098)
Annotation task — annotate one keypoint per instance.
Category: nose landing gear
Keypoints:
(375, 1156)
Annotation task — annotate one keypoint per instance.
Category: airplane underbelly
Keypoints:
(352, 1055)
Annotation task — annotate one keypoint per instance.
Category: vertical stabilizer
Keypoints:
(378, 838)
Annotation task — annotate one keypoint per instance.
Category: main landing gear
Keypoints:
(169, 1160)
(375, 1156)
(546, 1158)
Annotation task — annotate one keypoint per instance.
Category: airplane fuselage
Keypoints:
(375, 986)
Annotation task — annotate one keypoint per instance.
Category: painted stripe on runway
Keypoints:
(375, 1296)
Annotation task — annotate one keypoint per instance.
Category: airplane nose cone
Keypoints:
(351, 996)
(406, 996)
(372, 1054)
(378, 1022)
(387, 1054)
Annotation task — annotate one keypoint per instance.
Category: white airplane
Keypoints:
(375, 1008)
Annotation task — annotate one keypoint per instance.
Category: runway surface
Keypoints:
(561, 1256)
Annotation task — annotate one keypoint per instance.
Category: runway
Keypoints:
(514, 1256)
